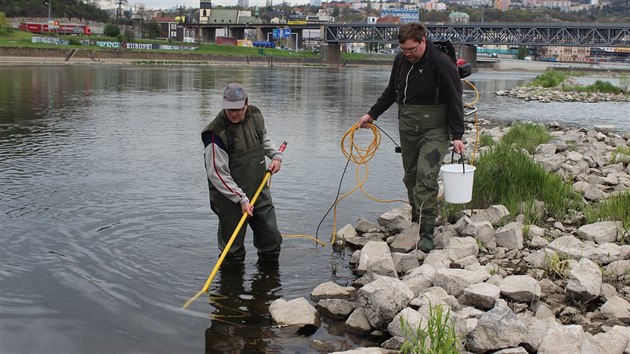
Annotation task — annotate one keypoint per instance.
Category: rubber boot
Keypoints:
(425, 232)
(415, 215)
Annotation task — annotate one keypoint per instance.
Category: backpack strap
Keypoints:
(437, 72)
(398, 62)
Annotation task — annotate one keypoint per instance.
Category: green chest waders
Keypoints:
(248, 170)
(424, 140)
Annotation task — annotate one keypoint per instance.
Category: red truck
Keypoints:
(59, 28)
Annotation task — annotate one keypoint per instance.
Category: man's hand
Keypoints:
(459, 146)
(365, 120)
(247, 208)
(274, 167)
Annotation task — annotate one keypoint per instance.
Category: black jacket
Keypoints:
(415, 84)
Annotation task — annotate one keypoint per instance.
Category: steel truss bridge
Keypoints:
(564, 34)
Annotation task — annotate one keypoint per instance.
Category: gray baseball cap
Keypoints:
(234, 96)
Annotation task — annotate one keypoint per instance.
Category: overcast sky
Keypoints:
(167, 4)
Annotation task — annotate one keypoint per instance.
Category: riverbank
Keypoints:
(32, 56)
(45, 56)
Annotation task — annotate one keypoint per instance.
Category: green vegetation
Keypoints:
(553, 78)
(526, 136)
(624, 82)
(486, 140)
(438, 337)
(5, 26)
(621, 154)
(505, 175)
(557, 266)
(23, 40)
(508, 176)
(598, 86)
(614, 208)
(548, 79)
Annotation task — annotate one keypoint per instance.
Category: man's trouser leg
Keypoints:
(267, 238)
(230, 215)
(426, 189)
(424, 141)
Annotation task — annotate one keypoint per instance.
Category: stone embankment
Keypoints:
(510, 287)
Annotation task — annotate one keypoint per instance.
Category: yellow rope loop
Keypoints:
(352, 151)
(477, 132)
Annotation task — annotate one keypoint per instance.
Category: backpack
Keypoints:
(463, 68)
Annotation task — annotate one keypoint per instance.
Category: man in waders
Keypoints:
(425, 83)
(236, 144)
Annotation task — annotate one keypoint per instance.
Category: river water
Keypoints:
(106, 225)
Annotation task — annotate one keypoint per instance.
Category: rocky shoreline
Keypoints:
(546, 95)
(509, 287)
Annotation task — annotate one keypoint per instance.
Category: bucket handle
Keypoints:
(461, 159)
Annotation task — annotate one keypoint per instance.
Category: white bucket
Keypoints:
(458, 183)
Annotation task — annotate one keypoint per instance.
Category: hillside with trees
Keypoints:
(616, 11)
(39, 8)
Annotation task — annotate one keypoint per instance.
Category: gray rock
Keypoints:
(297, 312)
(497, 329)
(369, 252)
(492, 214)
(566, 340)
(395, 220)
(462, 247)
(404, 262)
(510, 236)
(406, 240)
(454, 281)
(382, 299)
(520, 288)
(332, 290)
(585, 281)
(538, 331)
(357, 322)
(617, 308)
(481, 295)
(337, 308)
(601, 232)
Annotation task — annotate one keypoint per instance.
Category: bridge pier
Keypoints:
(332, 53)
(208, 34)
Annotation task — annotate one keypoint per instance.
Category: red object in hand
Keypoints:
(461, 62)
(283, 146)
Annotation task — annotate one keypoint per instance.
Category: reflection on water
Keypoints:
(241, 322)
(106, 225)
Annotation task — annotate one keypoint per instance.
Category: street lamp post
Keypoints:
(64, 12)
(48, 2)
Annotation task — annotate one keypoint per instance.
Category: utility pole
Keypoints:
(119, 11)
(48, 2)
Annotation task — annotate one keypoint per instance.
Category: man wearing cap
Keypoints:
(236, 143)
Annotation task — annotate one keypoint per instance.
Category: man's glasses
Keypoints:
(410, 50)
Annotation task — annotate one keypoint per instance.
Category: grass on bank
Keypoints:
(437, 337)
(551, 79)
(615, 208)
(22, 39)
(506, 175)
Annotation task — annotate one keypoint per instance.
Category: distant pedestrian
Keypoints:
(236, 144)
(425, 84)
